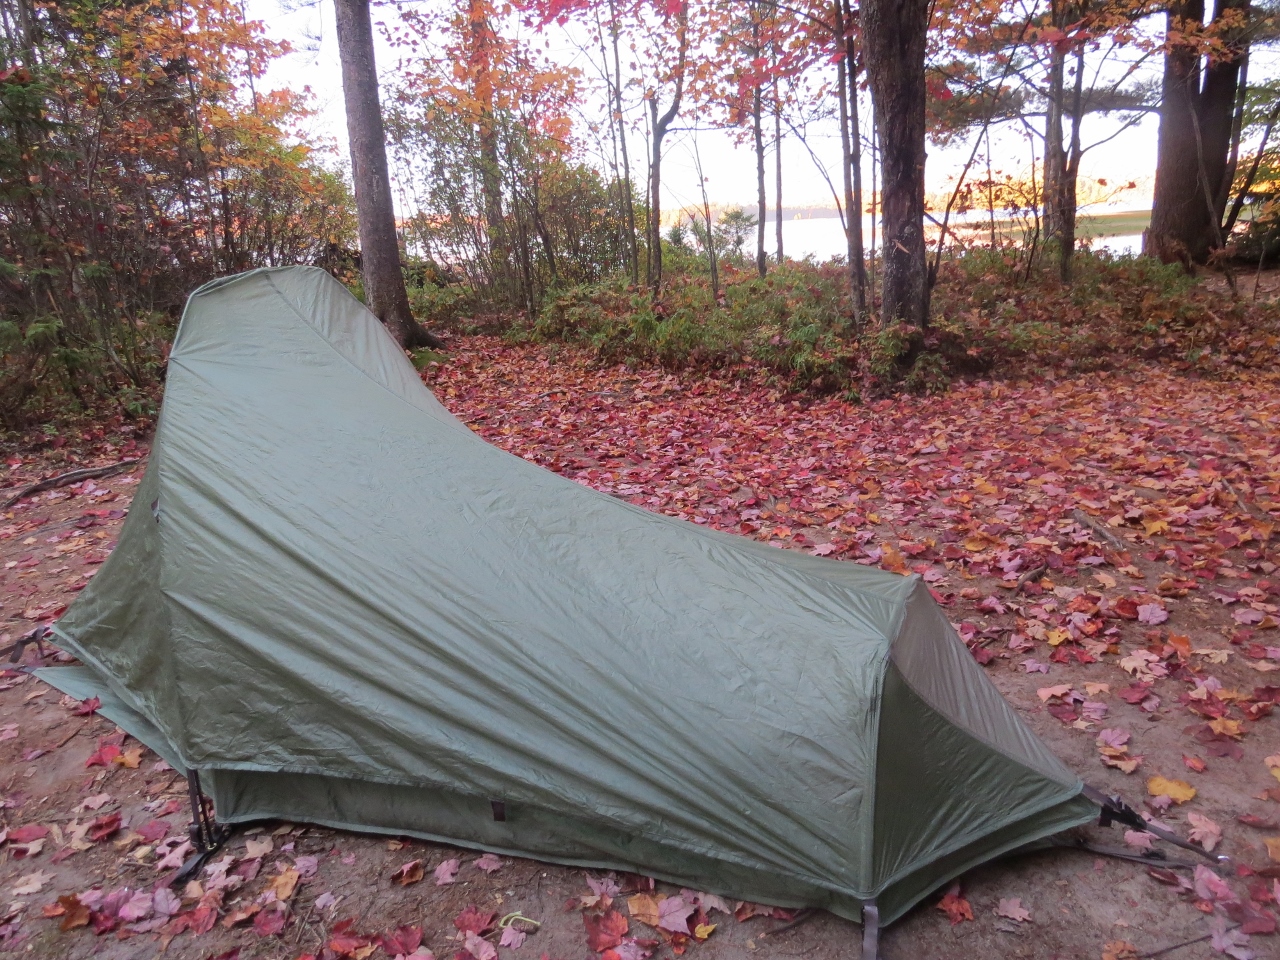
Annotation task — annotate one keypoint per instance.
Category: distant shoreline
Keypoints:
(1113, 224)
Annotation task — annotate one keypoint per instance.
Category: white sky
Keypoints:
(308, 26)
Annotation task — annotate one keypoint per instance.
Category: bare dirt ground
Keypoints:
(1105, 546)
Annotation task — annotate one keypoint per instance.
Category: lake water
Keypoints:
(823, 238)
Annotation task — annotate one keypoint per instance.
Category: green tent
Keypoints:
(338, 605)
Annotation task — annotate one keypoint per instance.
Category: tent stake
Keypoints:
(207, 835)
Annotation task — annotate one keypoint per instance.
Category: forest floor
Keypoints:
(1106, 545)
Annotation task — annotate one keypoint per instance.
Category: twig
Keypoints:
(1029, 576)
(1178, 946)
(805, 914)
(68, 738)
(1083, 518)
(75, 476)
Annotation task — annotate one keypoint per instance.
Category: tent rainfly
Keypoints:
(335, 604)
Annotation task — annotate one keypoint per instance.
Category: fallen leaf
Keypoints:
(30, 883)
(673, 915)
(284, 883)
(1273, 848)
(104, 827)
(644, 907)
(1119, 950)
(512, 937)
(75, 914)
(1204, 831)
(473, 920)
(447, 872)
(408, 873)
(269, 922)
(255, 847)
(479, 947)
(1176, 790)
(488, 863)
(604, 930)
(1012, 909)
(955, 906)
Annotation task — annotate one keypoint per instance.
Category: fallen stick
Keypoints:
(75, 476)
(1178, 946)
(1083, 518)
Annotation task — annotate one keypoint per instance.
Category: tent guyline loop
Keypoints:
(1115, 810)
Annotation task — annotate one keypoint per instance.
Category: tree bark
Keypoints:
(777, 166)
(893, 43)
(384, 286)
(662, 123)
(1194, 143)
(757, 130)
(855, 162)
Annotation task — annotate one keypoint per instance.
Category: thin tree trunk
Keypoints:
(855, 161)
(379, 251)
(757, 130)
(712, 259)
(777, 166)
(846, 169)
(1070, 175)
(630, 214)
(893, 37)
(1055, 154)
(662, 123)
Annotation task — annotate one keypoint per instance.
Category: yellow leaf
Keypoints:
(284, 884)
(130, 758)
(644, 907)
(1105, 579)
(1056, 636)
(703, 930)
(1176, 790)
(1227, 728)
(1273, 847)
(986, 488)
(1048, 693)
(1153, 527)
(1093, 689)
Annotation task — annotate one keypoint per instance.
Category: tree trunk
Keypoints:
(661, 123)
(633, 251)
(1055, 154)
(855, 162)
(1196, 114)
(777, 166)
(850, 215)
(379, 249)
(893, 43)
(757, 130)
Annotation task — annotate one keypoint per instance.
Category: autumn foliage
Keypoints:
(138, 159)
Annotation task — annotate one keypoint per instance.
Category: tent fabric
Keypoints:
(341, 606)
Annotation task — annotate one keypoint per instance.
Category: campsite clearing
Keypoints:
(1003, 497)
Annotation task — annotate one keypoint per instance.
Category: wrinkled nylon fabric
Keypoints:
(327, 579)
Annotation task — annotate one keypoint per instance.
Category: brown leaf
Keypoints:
(76, 915)
(605, 930)
(409, 873)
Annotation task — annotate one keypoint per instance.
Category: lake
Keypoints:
(823, 238)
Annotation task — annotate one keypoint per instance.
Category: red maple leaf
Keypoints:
(471, 920)
(955, 906)
(605, 930)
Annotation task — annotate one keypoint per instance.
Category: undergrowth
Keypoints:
(990, 316)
